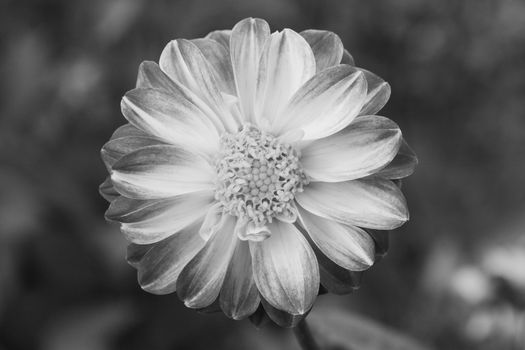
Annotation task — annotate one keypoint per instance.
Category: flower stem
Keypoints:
(304, 336)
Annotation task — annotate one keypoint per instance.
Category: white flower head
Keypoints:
(253, 169)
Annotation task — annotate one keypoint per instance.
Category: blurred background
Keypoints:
(454, 277)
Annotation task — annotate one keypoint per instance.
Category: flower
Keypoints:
(251, 169)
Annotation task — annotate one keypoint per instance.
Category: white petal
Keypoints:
(115, 149)
(151, 76)
(222, 37)
(348, 246)
(239, 295)
(285, 269)
(201, 280)
(326, 46)
(161, 172)
(325, 104)
(246, 44)
(371, 203)
(160, 267)
(365, 146)
(377, 94)
(219, 58)
(172, 118)
(107, 191)
(402, 165)
(150, 221)
(287, 62)
(347, 58)
(128, 130)
(184, 63)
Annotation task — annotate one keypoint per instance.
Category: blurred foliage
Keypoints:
(454, 277)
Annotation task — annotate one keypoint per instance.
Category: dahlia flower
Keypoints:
(253, 169)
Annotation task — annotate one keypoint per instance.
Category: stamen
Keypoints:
(258, 176)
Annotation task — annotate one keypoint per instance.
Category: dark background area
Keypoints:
(454, 277)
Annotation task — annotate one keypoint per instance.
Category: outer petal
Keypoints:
(107, 191)
(377, 94)
(201, 280)
(403, 164)
(326, 46)
(285, 269)
(136, 252)
(115, 149)
(282, 318)
(371, 203)
(361, 149)
(347, 58)
(239, 295)
(151, 76)
(325, 104)
(172, 118)
(183, 62)
(128, 130)
(161, 172)
(347, 246)
(246, 44)
(219, 58)
(222, 37)
(287, 62)
(159, 269)
(150, 221)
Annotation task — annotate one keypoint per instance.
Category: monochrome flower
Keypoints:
(253, 169)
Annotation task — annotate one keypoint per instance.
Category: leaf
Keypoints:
(337, 329)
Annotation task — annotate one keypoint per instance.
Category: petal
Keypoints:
(116, 148)
(326, 46)
(151, 76)
(107, 191)
(336, 279)
(381, 239)
(150, 221)
(282, 318)
(219, 58)
(239, 295)
(171, 117)
(246, 44)
(201, 280)
(348, 246)
(361, 149)
(287, 62)
(160, 267)
(160, 172)
(325, 104)
(377, 94)
(128, 130)
(222, 37)
(402, 165)
(347, 58)
(135, 253)
(184, 63)
(285, 269)
(369, 203)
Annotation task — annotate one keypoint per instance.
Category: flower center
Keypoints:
(258, 176)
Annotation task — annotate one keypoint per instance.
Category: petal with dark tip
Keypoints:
(282, 318)
(184, 63)
(115, 149)
(201, 280)
(325, 104)
(246, 45)
(135, 253)
(367, 145)
(222, 37)
(150, 221)
(348, 246)
(220, 61)
(377, 95)
(159, 269)
(239, 295)
(326, 46)
(347, 58)
(285, 269)
(403, 165)
(369, 203)
(172, 118)
(160, 172)
(107, 191)
(287, 62)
